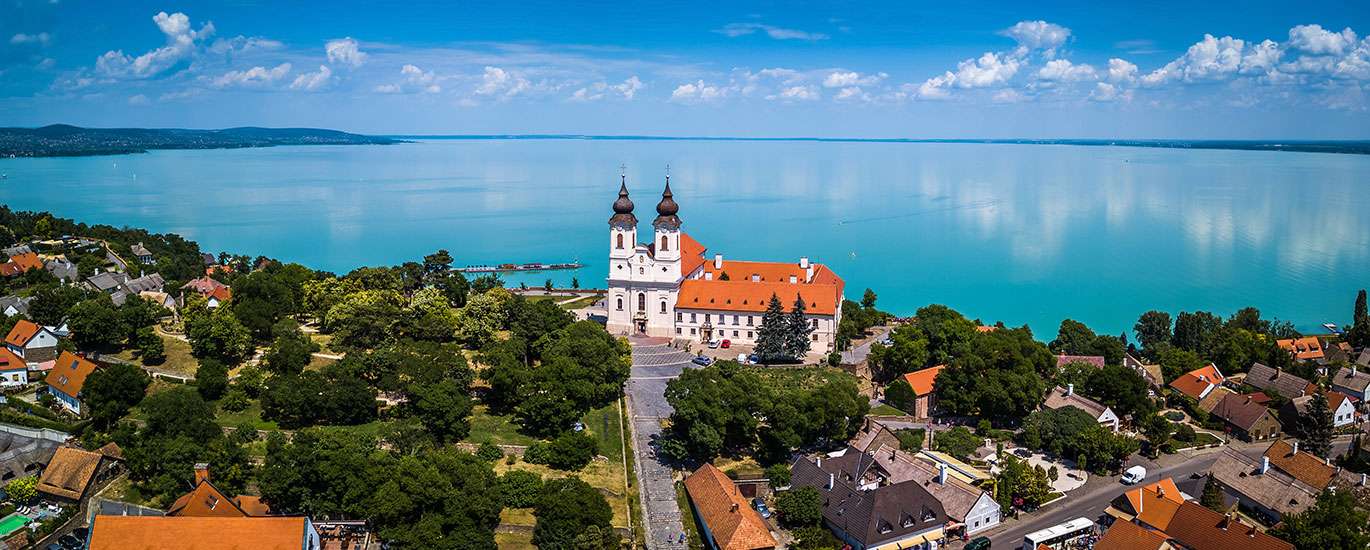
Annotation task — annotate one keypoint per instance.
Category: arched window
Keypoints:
(620, 241)
(642, 301)
(663, 306)
(664, 243)
(620, 304)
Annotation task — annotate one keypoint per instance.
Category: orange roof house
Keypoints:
(206, 500)
(10, 361)
(924, 382)
(22, 332)
(1301, 465)
(1155, 504)
(1125, 535)
(69, 374)
(1197, 383)
(69, 473)
(1199, 528)
(200, 533)
(725, 513)
(1308, 348)
(20, 264)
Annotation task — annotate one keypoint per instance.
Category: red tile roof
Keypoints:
(753, 297)
(1156, 503)
(21, 263)
(1125, 535)
(1240, 410)
(23, 331)
(924, 381)
(734, 524)
(1198, 381)
(691, 254)
(1303, 466)
(69, 472)
(1308, 347)
(199, 533)
(1199, 528)
(10, 361)
(69, 374)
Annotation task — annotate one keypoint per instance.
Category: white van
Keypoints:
(1134, 475)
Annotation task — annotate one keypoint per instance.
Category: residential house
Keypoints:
(1363, 359)
(142, 254)
(34, 343)
(970, 508)
(867, 512)
(20, 264)
(14, 371)
(1343, 409)
(107, 282)
(1275, 380)
(1306, 467)
(1308, 348)
(160, 298)
(25, 451)
(16, 250)
(1198, 528)
(63, 269)
(1151, 373)
(1066, 397)
(216, 292)
(1152, 505)
(726, 520)
(872, 436)
(924, 384)
(1196, 384)
(67, 378)
(1092, 360)
(1353, 381)
(203, 533)
(11, 306)
(218, 297)
(206, 500)
(133, 287)
(1125, 535)
(1256, 485)
(1210, 401)
(1246, 418)
(72, 472)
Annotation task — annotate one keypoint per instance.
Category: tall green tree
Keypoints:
(1212, 497)
(568, 508)
(1316, 426)
(96, 325)
(1335, 521)
(112, 390)
(1360, 323)
(799, 329)
(772, 336)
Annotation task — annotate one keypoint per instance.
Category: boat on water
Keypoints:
(1332, 327)
(502, 268)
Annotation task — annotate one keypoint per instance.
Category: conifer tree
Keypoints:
(797, 335)
(1360, 323)
(771, 336)
(1212, 496)
(1317, 426)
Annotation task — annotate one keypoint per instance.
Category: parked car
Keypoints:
(81, 533)
(760, 506)
(713, 344)
(1134, 475)
(726, 343)
(978, 543)
(69, 542)
(702, 361)
(886, 341)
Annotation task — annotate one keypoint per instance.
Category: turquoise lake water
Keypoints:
(1026, 234)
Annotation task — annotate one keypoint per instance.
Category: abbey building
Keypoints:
(670, 287)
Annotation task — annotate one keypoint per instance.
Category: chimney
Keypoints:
(734, 508)
(201, 472)
(831, 479)
(804, 262)
(718, 261)
(941, 474)
(793, 279)
(1160, 491)
(1296, 448)
(818, 462)
(756, 278)
(1070, 389)
(808, 274)
(708, 276)
(1362, 480)
(1227, 520)
(1265, 464)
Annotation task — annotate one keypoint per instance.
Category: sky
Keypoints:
(1046, 69)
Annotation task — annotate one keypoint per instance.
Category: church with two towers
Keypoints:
(669, 287)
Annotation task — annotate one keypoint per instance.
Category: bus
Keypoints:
(1057, 536)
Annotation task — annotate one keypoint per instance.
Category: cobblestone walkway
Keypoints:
(654, 365)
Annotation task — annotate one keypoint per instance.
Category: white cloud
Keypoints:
(852, 93)
(1062, 70)
(180, 45)
(311, 82)
(1104, 91)
(256, 76)
(697, 92)
(1038, 35)
(39, 38)
(599, 90)
(139, 99)
(1120, 70)
(937, 87)
(782, 74)
(243, 44)
(1356, 65)
(796, 93)
(1313, 39)
(344, 51)
(1261, 58)
(988, 70)
(414, 80)
(1008, 95)
(1209, 59)
(846, 79)
(734, 30)
(498, 82)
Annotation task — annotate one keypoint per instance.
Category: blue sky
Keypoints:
(1274, 70)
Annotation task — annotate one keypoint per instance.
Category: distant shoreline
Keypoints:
(1346, 147)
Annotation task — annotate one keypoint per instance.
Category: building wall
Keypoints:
(1345, 414)
(1265, 428)
(1353, 392)
(983, 515)
(1108, 418)
(70, 403)
(14, 377)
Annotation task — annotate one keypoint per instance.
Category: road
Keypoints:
(654, 364)
(859, 352)
(1091, 500)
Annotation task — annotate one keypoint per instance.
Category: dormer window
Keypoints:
(885, 527)
(908, 521)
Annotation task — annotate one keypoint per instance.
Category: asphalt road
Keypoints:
(654, 365)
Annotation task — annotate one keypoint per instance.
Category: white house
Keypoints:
(32, 342)
(67, 378)
(13, 370)
(667, 287)
(1066, 397)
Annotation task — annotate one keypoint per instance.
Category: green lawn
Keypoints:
(790, 378)
(252, 414)
(178, 357)
(886, 410)
(497, 429)
(514, 541)
(582, 302)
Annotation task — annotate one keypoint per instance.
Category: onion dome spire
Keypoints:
(623, 207)
(666, 209)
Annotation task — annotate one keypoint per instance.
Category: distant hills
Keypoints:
(62, 140)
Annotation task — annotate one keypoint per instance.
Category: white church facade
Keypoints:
(669, 287)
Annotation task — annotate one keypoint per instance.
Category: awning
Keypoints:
(1118, 514)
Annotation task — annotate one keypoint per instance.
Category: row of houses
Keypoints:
(1160, 517)
(1249, 416)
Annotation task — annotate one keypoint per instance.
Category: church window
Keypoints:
(677, 330)
(641, 271)
(620, 241)
(663, 306)
(692, 318)
(641, 301)
(815, 337)
(664, 242)
(749, 320)
(679, 316)
(749, 334)
(734, 334)
(620, 304)
(692, 332)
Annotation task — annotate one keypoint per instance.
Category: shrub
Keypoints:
(800, 508)
(211, 379)
(779, 474)
(912, 439)
(235, 400)
(958, 442)
(520, 489)
(489, 452)
(23, 489)
(1185, 433)
(570, 451)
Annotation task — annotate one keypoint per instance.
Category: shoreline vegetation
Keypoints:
(62, 140)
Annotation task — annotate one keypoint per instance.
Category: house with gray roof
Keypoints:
(1255, 485)
(15, 305)
(143, 255)
(972, 507)
(1274, 379)
(62, 269)
(16, 250)
(1066, 397)
(865, 508)
(1353, 381)
(107, 282)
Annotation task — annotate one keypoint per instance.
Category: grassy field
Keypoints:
(178, 358)
(252, 415)
(497, 429)
(318, 363)
(791, 378)
(886, 410)
(515, 541)
(606, 475)
(582, 302)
